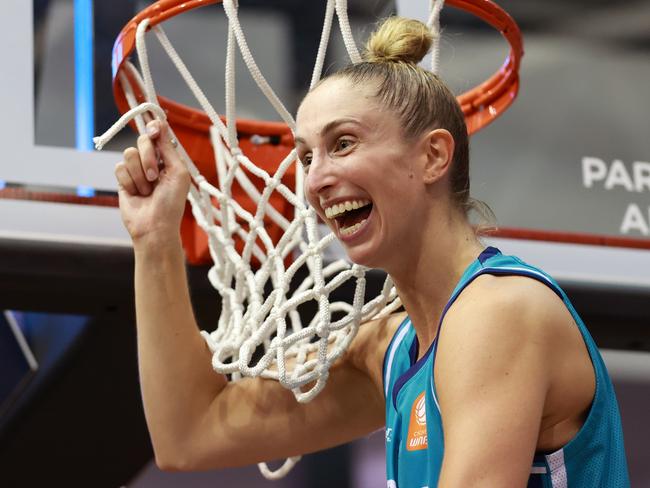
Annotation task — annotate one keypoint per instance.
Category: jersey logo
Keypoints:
(417, 436)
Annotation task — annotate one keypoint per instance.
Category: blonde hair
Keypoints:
(417, 96)
(399, 40)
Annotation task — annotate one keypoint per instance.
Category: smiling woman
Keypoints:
(490, 380)
(505, 394)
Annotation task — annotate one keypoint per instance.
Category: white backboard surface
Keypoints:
(26, 162)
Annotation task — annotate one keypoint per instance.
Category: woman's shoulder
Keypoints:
(500, 320)
(515, 302)
(504, 315)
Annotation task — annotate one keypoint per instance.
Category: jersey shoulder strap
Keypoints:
(397, 356)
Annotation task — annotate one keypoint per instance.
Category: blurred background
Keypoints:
(572, 154)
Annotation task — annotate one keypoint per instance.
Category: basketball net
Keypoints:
(259, 332)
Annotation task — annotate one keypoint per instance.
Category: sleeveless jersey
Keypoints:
(595, 457)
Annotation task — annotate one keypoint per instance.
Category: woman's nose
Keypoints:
(320, 175)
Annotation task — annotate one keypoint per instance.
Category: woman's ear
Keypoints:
(439, 147)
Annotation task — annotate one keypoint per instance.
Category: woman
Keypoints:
(491, 379)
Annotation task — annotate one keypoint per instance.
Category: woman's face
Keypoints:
(363, 177)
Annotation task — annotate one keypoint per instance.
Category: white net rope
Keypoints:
(260, 332)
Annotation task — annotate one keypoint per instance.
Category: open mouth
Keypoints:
(349, 215)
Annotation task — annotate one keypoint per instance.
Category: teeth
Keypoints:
(339, 209)
(346, 231)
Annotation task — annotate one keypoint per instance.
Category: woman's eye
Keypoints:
(343, 144)
(305, 160)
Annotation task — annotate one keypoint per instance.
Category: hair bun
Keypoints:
(399, 40)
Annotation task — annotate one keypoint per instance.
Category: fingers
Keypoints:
(148, 157)
(135, 170)
(166, 144)
(140, 170)
(124, 180)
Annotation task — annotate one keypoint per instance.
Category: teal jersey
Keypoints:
(595, 457)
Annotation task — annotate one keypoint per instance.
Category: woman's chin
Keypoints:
(360, 261)
(363, 256)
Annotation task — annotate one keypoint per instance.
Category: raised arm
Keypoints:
(196, 419)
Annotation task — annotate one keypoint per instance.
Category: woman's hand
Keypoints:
(153, 185)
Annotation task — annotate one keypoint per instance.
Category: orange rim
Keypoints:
(481, 105)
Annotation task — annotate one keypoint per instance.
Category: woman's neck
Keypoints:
(426, 278)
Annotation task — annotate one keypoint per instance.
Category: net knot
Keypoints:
(359, 272)
(318, 292)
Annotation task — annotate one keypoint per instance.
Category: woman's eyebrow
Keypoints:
(329, 127)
